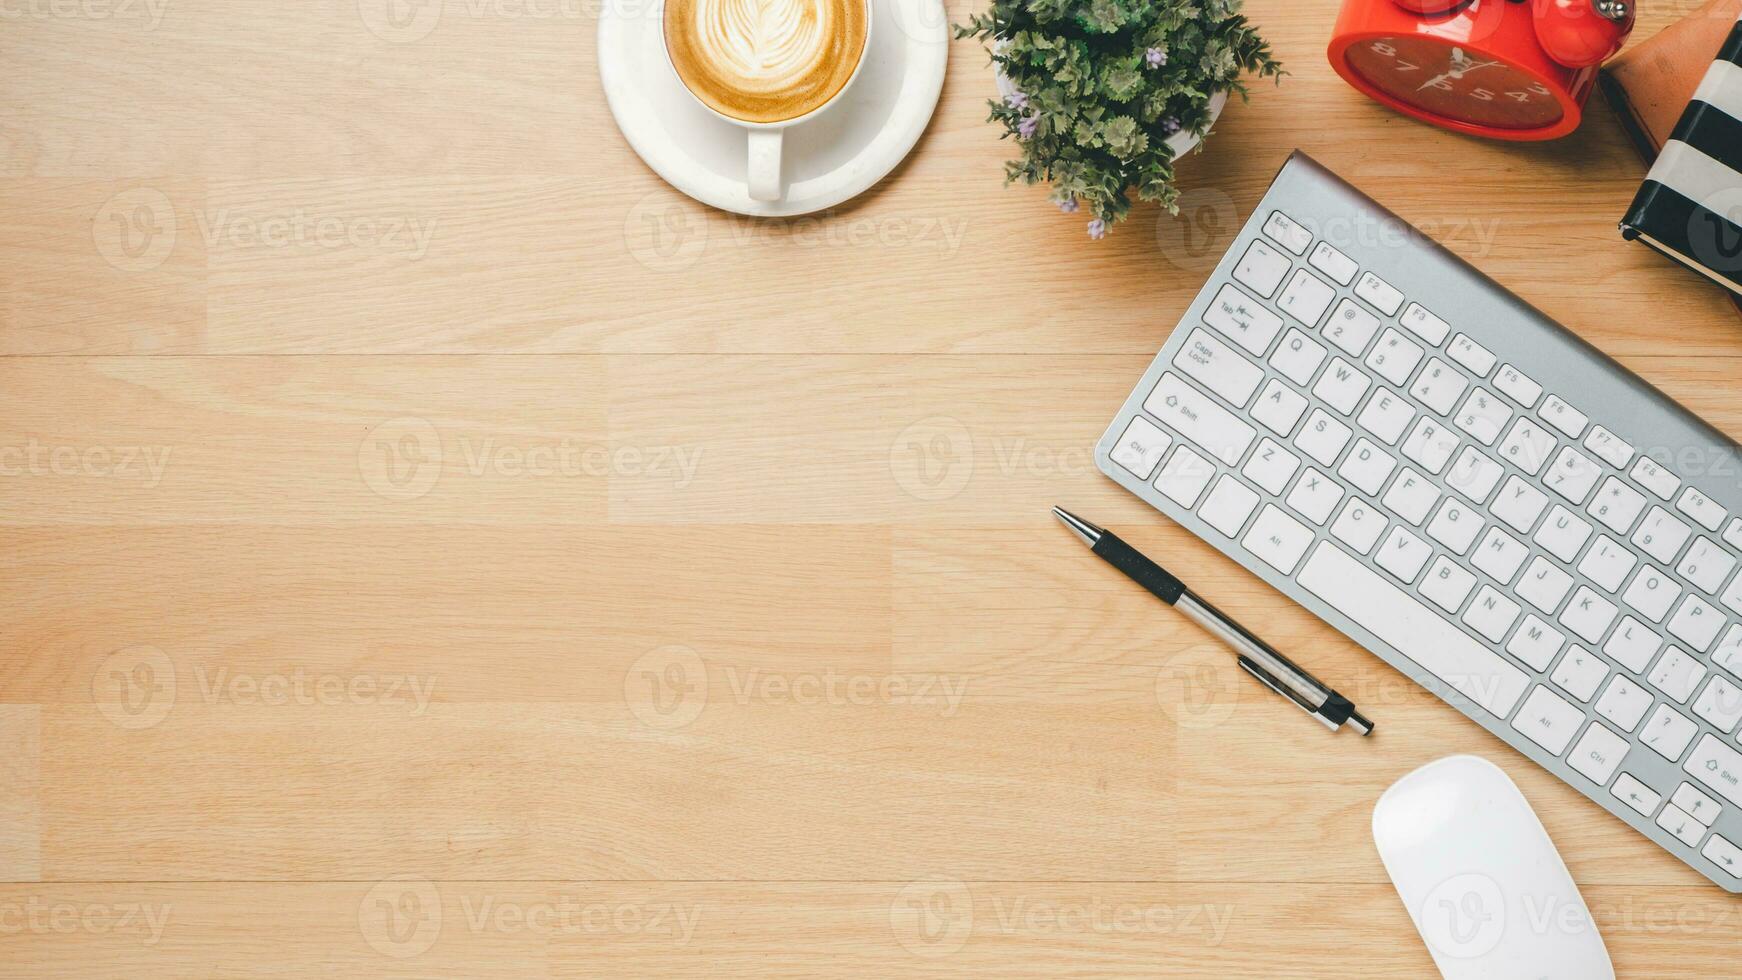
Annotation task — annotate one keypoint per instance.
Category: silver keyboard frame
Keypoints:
(1517, 333)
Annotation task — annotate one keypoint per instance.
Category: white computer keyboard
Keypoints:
(1467, 489)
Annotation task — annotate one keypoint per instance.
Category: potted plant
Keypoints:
(1104, 95)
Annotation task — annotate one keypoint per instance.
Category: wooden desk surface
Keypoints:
(436, 547)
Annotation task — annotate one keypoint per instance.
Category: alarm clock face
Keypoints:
(1446, 80)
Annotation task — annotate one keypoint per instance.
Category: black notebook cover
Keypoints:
(1690, 206)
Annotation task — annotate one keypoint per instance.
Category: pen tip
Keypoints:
(1083, 529)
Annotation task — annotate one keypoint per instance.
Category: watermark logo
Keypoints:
(932, 459)
(1463, 917)
(148, 12)
(401, 459)
(134, 230)
(665, 234)
(1715, 236)
(145, 464)
(400, 21)
(1194, 239)
(39, 916)
(1199, 687)
(667, 688)
(134, 687)
(932, 917)
(401, 917)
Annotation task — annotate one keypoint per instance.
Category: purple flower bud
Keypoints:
(1068, 206)
(1016, 100)
(1097, 229)
(1027, 126)
(1170, 125)
(1156, 57)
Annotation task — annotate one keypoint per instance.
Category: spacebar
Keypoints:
(1413, 629)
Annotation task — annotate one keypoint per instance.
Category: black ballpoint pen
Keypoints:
(1256, 657)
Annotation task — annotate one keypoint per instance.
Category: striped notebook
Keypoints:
(1690, 207)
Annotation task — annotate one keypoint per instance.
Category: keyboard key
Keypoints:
(1314, 496)
(1580, 672)
(1367, 467)
(1729, 652)
(1298, 357)
(1668, 732)
(1323, 437)
(1588, 615)
(1243, 320)
(1655, 478)
(1491, 614)
(1479, 359)
(1430, 444)
(1617, 505)
(1519, 505)
(1733, 534)
(1517, 385)
(1572, 475)
(1598, 754)
(1633, 644)
(1359, 525)
(1723, 854)
(1306, 297)
(1609, 447)
(1662, 535)
(1696, 804)
(1333, 263)
(1455, 525)
(1278, 539)
(1262, 268)
(1707, 565)
(1439, 386)
(1185, 476)
(1341, 386)
(1414, 629)
(1140, 449)
(1607, 563)
(1483, 415)
(1421, 322)
(1351, 327)
(1536, 643)
(1279, 407)
(1544, 585)
(1685, 828)
(1501, 555)
(1384, 297)
(1447, 585)
(1474, 475)
(1677, 675)
(1285, 231)
(1395, 357)
(1403, 554)
(1642, 798)
(1411, 496)
(1732, 596)
(1696, 623)
(1215, 365)
(1717, 767)
(1624, 703)
(1556, 412)
(1651, 593)
(1527, 446)
(1228, 506)
(1548, 720)
(1194, 415)
(1270, 467)
(1563, 534)
(1720, 703)
(1386, 416)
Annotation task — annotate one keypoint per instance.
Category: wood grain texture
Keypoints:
(433, 546)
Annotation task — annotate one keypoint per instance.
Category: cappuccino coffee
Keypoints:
(766, 61)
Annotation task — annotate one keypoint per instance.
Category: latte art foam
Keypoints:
(765, 60)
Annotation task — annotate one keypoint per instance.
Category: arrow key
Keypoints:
(1724, 854)
(1685, 828)
(1636, 794)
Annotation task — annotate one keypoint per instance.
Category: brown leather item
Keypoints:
(1651, 82)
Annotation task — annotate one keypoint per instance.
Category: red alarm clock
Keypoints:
(1509, 69)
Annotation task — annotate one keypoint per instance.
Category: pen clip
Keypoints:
(1268, 680)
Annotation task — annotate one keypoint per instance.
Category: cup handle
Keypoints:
(765, 146)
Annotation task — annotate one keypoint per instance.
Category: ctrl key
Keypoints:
(1724, 854)
(1598, 754)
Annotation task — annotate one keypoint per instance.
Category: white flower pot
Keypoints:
(1181, 142)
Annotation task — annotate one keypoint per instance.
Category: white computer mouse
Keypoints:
(1481, 880)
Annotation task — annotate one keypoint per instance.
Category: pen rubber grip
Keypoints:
(1139, 568)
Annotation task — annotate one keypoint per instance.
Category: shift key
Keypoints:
(1243, 320)
(1718, 766)
(1196, 416)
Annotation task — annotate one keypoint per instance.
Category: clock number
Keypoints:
(1483, 94)
(1540, 89)
(1443, 84)
(1518, 96)
(1406, 66)
(1380, 47)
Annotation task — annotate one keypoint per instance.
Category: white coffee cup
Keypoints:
(766, 140)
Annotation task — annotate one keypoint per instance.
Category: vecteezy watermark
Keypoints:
(934, 458)
(401, 917)
(1199, 686)
(41, 916)
(1467, 915)
(668, 688)
(934, 917)
(302, 688)
(407, 21)
(134, 687)
(147, 13)
(134, 230)
(402, 459)
(145, 464)
(404, 916)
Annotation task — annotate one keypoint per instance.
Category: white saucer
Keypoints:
(833, 158)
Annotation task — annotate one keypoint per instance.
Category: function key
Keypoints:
(1383, 295)
(1333, 263)
(1421, 322)
(1262, 268)
(1609, 446)
(1556, 412)
(1517, 385)
(1655, 478)
(1733, 534)
(1288, 233)
(1472, 355)
(1701, 508)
